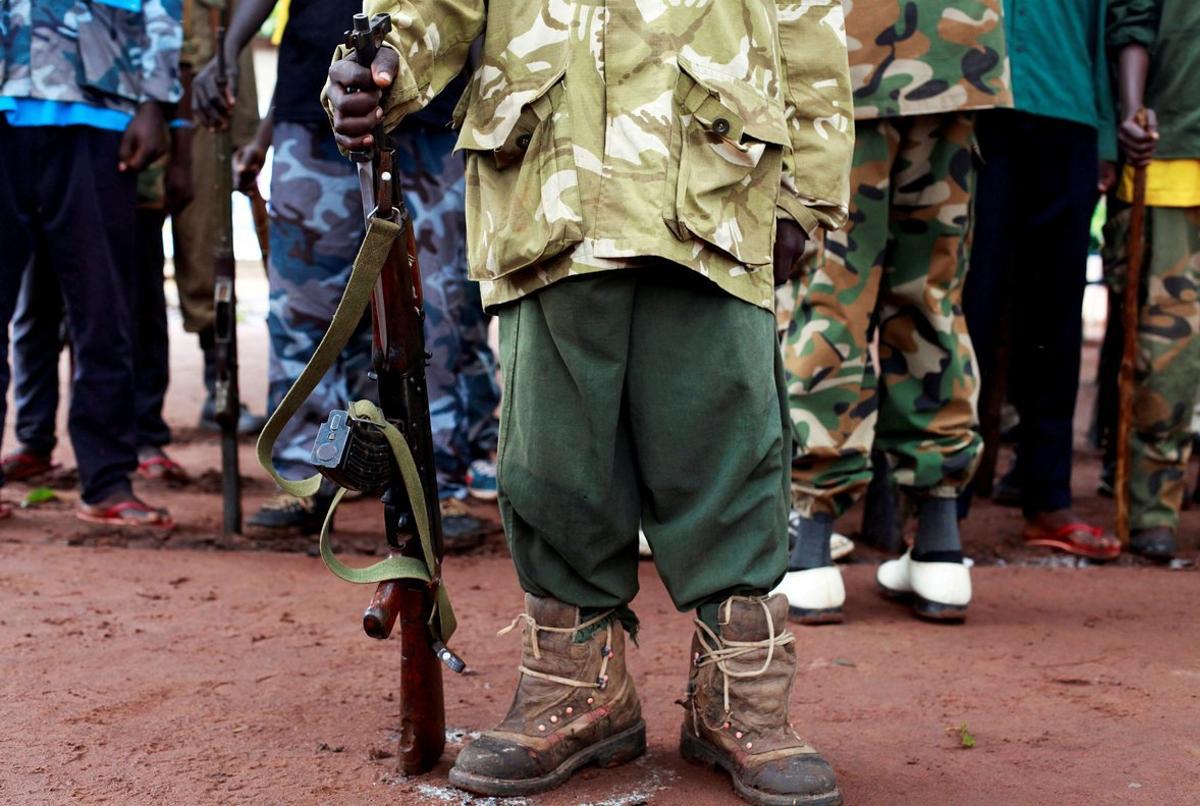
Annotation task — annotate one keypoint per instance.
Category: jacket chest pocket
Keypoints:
(725, 166)
(522, 189)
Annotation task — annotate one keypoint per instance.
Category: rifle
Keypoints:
(225, 393)
(386, 449)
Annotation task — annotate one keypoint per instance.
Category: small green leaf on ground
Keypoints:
(965, 737)
(38, 496)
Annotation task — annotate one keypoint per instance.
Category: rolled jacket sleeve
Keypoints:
(816, 181)
(1132, 22)
(433, 39)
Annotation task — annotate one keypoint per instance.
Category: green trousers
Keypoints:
(644, 396)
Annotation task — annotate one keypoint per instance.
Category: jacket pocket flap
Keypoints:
(494, 118)
(730, 107)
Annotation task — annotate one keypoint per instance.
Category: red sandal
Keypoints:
(22, 465)
(162, 467)
(1064, 539)
(125, 513)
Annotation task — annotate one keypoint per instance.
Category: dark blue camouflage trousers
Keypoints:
(316, 228)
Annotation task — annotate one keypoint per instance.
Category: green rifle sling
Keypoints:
(377, 246)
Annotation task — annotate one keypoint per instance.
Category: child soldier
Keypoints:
(1154, 44)
(84, 92)
(626, 166)
(919, 70)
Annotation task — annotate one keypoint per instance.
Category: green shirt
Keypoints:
(1059, 68)
(1170, 30)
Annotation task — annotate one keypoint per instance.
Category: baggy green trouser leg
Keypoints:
(1168, 368)
(644, 395)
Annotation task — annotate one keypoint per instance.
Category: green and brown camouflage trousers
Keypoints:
(1168, 361)
(897, 269)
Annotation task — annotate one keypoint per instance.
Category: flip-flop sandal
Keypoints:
(126, 513)
(1063, 538)
(20, 465)
(161, 467)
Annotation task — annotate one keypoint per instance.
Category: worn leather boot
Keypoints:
(737, 707)
(575, 705)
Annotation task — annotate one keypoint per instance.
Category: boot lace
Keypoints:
(601, 681)
(719, 652)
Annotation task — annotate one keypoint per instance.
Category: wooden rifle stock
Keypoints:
(380, 616)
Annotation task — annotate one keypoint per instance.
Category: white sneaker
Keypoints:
(939, 590)
(815, 596)
(643, 545)
(840, 546)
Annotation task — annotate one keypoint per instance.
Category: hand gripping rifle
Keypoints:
(225, 390)
(386, 449)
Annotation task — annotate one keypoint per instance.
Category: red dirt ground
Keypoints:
(218, 673)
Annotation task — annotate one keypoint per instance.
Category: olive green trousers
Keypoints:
(644, 396)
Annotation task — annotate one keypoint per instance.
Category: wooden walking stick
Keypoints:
(1129, 320)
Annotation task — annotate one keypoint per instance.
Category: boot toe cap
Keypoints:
(805, 774)
(490, 757)
(1154, 544)
(813, 589)
(895, 576)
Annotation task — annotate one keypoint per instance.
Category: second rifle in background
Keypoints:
(226, 395)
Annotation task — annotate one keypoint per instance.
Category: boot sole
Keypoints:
(699, 751)
(936, 611)
(800, 615)
(611, 752)
(924, 608)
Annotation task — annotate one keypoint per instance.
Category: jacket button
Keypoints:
(721, 126)
(523, 141)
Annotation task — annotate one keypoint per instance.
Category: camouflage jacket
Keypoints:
(914, 57)
(599, 134)
(89, 52)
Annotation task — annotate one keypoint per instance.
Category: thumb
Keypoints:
(383, 69)
(126, 150)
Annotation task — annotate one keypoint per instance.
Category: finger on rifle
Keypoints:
(349, 74)
(353, 143)
(217, 109)
(209, 105)
(383, 69)
(354, 104)
(353, 125)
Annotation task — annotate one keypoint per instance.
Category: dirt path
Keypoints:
(137, 676)
(133, 675)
